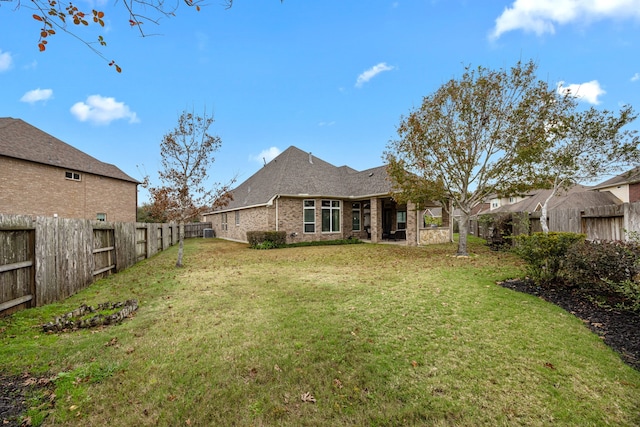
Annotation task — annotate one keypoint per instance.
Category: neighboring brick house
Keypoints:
(43, 176)
(311, 199)
(625, 186)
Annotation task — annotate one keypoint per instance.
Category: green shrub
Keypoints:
(606, 269)
(545, 253)
(348, 241)
(265, 245)
(629, 290)
(266, 239)
(594, 265)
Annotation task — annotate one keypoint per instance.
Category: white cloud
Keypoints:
(102, 110)
(541, 16)
(635, 77)
(589, 91)
(266, 156)
(37, 95)
(372, 72)
(6, 61)
(323, 124)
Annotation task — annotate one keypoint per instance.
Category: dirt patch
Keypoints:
(15, 392)
(620, 329)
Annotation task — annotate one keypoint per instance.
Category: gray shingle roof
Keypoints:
(298, 173)
(577, 196)
(629, 177)
(21, 140)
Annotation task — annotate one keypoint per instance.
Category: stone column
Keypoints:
(412, 225)
(376, 220)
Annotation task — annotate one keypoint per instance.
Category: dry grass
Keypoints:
(339, 335)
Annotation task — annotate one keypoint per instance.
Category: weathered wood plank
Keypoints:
(9, 304)
(15, 266)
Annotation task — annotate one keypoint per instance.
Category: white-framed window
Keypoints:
(237, 217)
(330, 216)
(401, 220)
(101, 216)
(355, 216)
(309, 216)
(223, 221)
(74, 176)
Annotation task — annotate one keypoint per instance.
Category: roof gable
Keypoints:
(298, 173)
(23, 141)
(629, 177)
(578, 196)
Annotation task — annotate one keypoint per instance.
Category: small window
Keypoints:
(355, 214)
(74, 176)
(402, 220)
(223, 220)
(309, 216)
(237, 217)
(101, 216)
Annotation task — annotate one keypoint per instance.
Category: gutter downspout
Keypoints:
(417, 225)
(277, 213)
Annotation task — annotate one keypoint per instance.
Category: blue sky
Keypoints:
(330, 77)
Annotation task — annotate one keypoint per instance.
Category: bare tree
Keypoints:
(187, 152)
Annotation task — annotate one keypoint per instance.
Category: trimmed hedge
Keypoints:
(610, 269)
(545, 253)
(591, 265)
(607, 272)
(349, 241)
(266, 239)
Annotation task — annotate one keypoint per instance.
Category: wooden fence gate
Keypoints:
(17, 270)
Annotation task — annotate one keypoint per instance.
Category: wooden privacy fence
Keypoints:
(611, 222)
(195, 229)
(43, 260)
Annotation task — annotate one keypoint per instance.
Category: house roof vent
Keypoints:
(310, 158)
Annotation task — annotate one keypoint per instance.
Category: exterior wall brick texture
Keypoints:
(287, 214)
(634, 192)
(28, 188)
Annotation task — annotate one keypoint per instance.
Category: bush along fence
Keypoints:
(45, 259)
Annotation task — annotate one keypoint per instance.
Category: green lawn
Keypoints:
(358, 335)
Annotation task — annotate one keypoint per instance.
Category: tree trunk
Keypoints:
(543, 212)
(180, 243)
(464, 230)
(543, 219)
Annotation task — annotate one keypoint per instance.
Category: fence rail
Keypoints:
(611, 222)
(43, 259)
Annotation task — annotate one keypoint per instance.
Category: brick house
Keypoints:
(311, 199)
(43, 176)
(625, 186)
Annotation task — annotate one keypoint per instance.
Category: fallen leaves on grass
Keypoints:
(308, 398)
(113, 341)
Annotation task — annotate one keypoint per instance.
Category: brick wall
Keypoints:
(28, 188)
(252, 219)
(288, 213)
(634, 192)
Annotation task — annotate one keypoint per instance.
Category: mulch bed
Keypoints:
(620, 329)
